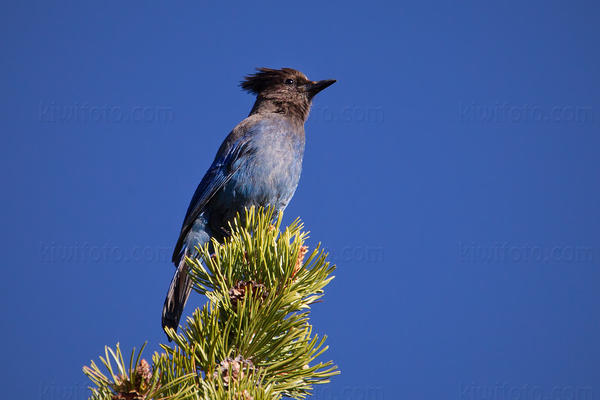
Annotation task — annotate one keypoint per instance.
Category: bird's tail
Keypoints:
(179, 291)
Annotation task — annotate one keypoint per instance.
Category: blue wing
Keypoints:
(219, 173)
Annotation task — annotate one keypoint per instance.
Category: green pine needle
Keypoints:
(253, 339)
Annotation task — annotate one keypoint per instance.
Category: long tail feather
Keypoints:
(179, 291)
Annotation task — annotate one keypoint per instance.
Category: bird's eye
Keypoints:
(289, 81)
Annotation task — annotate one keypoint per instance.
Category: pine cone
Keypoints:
(231, 368)
(144, 371)
(300, 259)
(238, 292)
(125, 388)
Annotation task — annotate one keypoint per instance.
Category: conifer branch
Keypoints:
(252, 339)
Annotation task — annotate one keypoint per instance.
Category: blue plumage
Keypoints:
(259, 164)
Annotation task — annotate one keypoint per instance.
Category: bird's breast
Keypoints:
(271, 174)
(267, 175)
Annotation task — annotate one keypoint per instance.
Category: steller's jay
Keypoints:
(259, 164)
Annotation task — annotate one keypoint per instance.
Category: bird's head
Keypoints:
(286, 89)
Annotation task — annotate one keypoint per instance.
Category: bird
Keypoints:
(258, 164)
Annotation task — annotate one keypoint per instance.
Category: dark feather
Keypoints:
(268, 77)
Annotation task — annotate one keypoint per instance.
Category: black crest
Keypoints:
(267, 77)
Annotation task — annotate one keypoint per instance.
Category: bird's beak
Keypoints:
(315, 87)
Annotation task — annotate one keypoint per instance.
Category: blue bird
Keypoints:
(258, 164)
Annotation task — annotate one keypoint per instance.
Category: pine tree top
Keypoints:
(252, 339)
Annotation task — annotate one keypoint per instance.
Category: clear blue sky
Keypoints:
(453, 172)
